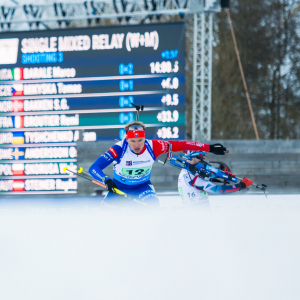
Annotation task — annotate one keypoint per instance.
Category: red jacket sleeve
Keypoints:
(160, 146)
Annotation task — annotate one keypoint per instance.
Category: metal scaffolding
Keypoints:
(110, 12)
(202, 77)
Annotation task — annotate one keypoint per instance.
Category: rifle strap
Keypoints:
(194, 180)
(170, 153)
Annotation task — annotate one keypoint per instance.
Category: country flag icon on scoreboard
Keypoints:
(18, 169)
(17, 74)
(11, 74)
(18, 122)
(17, 90)
(18, 185)
(17, 106)
(18, 153)
(18, 138)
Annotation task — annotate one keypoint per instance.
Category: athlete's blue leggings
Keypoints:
(143, 193)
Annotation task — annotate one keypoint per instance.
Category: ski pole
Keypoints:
(94, 181)
(102, 184)
(116, 190)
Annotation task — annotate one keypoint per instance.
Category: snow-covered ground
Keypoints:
(236, 202)
(243, 247)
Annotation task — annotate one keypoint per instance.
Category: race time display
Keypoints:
(58, 87)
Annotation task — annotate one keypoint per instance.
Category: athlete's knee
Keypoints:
(148, 196)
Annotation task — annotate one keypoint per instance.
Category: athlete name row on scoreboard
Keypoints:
(20, 89)
(28, 185)
(53, 137)
(17, 74)
(64, 120)
(24, 170)
(56, 104)
(20, 153)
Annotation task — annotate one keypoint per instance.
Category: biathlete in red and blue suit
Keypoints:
(132, 160)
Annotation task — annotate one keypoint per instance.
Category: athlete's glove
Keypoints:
(110, 185)
(217, 149)
(245, 183)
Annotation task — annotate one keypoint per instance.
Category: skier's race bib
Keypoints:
(132, 169)
(134, 172)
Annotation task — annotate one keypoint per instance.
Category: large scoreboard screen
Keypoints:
(61, 86)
